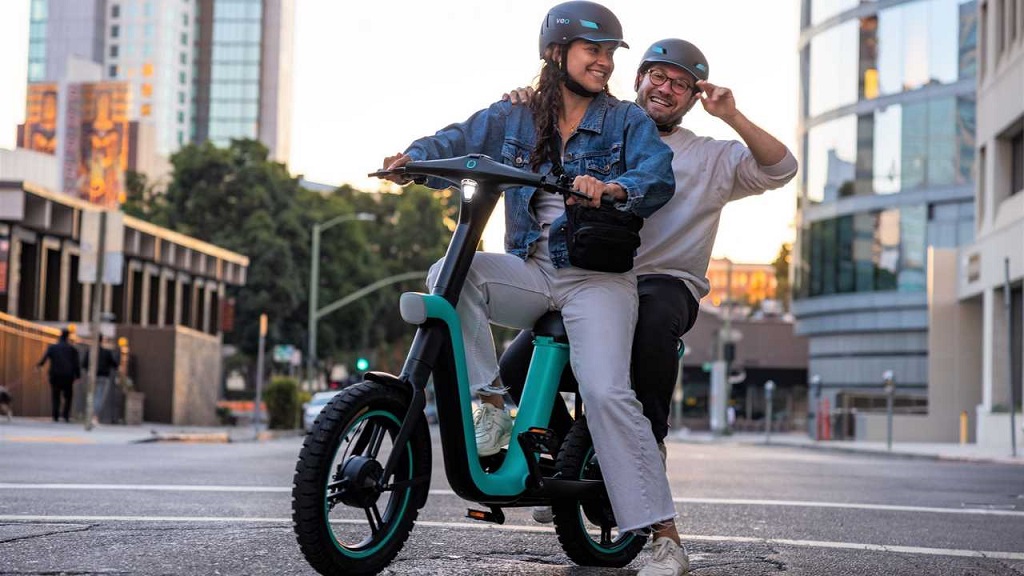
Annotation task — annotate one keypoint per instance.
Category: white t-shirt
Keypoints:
(709, 173)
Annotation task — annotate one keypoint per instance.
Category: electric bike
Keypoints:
(364, 471)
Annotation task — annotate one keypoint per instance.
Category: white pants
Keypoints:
(599, 311)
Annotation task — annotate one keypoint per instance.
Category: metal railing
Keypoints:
(22, 345)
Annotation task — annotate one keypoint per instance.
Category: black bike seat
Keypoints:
(550, 325)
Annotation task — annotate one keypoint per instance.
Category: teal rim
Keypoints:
(390, 519)
(623, 539)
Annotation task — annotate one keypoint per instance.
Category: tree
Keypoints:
(237, 198)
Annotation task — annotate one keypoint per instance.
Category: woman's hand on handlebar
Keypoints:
(397, 161)
(594, 189)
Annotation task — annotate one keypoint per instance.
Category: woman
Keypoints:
(611, 148)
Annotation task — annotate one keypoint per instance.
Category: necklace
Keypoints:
(573, 125)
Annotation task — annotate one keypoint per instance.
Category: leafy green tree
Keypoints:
(237, 198)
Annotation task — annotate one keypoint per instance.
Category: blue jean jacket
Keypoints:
(615, 142)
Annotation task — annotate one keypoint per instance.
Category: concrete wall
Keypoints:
(954, 364)
(178, 369)
(197, 368)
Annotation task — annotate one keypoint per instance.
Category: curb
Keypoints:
(1005, 460)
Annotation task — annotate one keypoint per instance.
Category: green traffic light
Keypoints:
(362, 364)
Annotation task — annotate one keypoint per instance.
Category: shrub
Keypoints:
(282, 399)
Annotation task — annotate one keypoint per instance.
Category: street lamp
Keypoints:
(314, 280)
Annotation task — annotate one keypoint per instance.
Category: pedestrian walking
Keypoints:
(64, 370)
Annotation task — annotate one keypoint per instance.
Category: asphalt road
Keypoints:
(181, 509)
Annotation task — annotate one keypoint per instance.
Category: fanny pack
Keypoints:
(602, 239)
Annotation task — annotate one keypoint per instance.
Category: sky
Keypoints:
(370, 77)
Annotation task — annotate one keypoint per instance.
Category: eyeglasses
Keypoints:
(678, 86)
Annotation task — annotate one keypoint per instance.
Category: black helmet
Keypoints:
(678, 53)
(580, 19)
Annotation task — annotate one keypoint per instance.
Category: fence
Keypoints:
(22, 345)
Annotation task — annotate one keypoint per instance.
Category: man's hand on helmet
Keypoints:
(717, 100)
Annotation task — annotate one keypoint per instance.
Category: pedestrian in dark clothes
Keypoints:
(105, 371)
(64, 370)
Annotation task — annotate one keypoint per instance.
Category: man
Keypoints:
(64, 370)
(677, 240)
(105, 371)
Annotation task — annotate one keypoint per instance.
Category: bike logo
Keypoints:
(561, 20)
(471, 164)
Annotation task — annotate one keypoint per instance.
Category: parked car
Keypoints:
(311, 409)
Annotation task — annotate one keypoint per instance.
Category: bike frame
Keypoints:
(437, 349)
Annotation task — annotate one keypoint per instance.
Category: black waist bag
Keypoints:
(602, 239)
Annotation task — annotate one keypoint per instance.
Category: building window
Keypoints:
(115, 31)
(113, 71)
(181, 97)
(115, 11)
(184, 39)
(1017, 163)
(113, 50)
(146, 110)
(183, 58)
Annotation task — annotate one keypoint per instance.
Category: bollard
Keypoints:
(890, 393)
(769, 388)
(963, 427)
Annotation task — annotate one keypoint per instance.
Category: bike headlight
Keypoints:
(468, 189)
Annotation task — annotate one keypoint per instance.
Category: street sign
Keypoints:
(113, 246)
(283, 353)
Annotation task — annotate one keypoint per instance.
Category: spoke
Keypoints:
(365, 438)
(375, 442)
(373, 517)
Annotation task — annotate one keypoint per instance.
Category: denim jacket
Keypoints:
(615, 142)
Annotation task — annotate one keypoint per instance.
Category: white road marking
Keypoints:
(538, 529)
(709, 501)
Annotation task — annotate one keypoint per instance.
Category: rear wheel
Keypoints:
(344, 522)
(587, 530)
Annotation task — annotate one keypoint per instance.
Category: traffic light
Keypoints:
(362, 364)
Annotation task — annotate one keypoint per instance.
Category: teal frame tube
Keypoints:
(546, 365)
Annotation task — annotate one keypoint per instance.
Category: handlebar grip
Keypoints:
(400, 171)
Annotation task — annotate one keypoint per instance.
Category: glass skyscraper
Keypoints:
(244, 72)
(887, 146)
(199, 69)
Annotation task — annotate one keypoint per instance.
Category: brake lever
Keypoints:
(563, 185)
(400, 171)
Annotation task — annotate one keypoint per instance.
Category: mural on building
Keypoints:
(40, 132)
(103, 142)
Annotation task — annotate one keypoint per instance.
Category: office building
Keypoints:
(198, 70)
(887, 150)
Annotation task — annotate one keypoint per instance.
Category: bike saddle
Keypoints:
(550, 325)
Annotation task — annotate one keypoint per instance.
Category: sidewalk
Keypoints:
(45, 431)
(931, 451)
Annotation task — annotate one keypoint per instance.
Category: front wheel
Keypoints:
(587, 530)
(344, 521)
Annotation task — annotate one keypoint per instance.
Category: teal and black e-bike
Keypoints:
(364, 470)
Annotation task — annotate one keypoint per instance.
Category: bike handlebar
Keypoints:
(485, 170)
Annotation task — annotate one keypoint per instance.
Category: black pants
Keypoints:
(61, 387)
(667, 311)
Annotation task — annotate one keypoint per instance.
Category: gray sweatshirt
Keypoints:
(677, 239)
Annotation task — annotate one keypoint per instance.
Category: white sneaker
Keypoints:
(493, 429)
(669, 559)
(542, 514)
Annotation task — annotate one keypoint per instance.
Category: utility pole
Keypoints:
(720, 367)
(259, 376)
(1009, 357)
(314, 285)
(96, 297)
